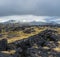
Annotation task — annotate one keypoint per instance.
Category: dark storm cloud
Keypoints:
(33, 7)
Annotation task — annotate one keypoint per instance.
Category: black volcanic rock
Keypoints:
(34, 46)
(29, 30)
(3, 44)
(5, 55)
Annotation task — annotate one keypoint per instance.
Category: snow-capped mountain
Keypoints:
(30, 23)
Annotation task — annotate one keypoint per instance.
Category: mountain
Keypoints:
(37, 23)
(10, 21)
(19, 23)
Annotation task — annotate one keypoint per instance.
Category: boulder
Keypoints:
(3, 44)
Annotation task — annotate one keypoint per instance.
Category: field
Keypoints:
(15, 35)
(12, 36)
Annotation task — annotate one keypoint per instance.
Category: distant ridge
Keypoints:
(29, 23)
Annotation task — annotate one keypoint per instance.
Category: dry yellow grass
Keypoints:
(9, 52)
(24, 35)
(46, 47)
(57, 49)
(58, 42)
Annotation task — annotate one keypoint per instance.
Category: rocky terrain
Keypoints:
(44, 44)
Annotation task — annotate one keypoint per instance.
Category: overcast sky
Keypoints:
(36, 8)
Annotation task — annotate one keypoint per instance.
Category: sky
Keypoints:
(30, 10)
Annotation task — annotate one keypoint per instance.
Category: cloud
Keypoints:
(30, 7)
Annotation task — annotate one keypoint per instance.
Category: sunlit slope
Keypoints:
(23, 35)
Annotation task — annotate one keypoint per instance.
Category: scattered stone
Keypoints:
(29, 30)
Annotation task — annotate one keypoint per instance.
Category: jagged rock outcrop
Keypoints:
(3, 44)
(40, 45)
(34, 45)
